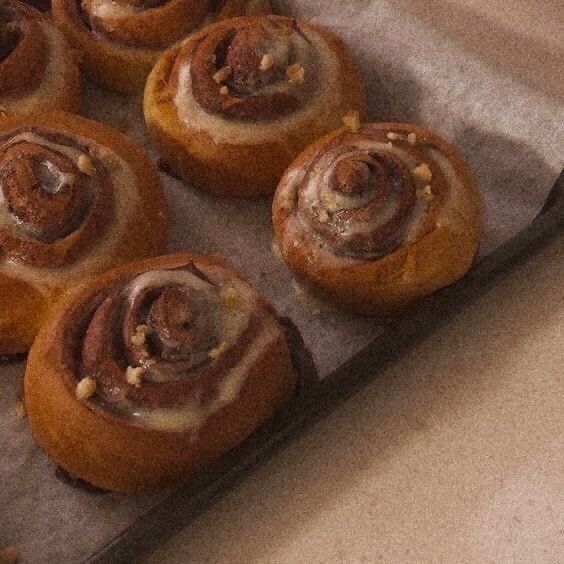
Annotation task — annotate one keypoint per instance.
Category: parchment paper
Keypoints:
(511, 133)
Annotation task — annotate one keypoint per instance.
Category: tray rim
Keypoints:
(186, 502)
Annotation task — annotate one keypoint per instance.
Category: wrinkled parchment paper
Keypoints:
(511, 133)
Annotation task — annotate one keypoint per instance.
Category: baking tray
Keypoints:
(502, 142)
(185, 503)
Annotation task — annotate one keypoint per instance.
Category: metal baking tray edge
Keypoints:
(185, 503)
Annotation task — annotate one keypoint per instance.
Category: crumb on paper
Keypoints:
(134, 375)
(222, 74)
(412, 139)
(8, 555)
(423, 173)
(352, 121)
(20, 412)
(276, 250)
(296, 74)
(86, 165)
(267, 62)
(85, 388)
(219, 350)
(230, 296)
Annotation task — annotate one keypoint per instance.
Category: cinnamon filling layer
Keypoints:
(52, 207)
(363, 197)
(150, 24)
(23, 50)
(257, 70)
(168, 348)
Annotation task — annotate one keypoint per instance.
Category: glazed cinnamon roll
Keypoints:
(233, 105)
(120, 40)
(147, 374)
(373, 217)
(75, 198)
(37, 67)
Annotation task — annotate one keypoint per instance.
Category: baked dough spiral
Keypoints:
(150, 372)
(233, 105)
(120, 40)
(377, 216)
(37, 67)
(75, 198)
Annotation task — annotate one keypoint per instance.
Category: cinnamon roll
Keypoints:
(233, 105)
(75, 198)
(120, 40)
(37, 67)
(150, 372)
(373, 217)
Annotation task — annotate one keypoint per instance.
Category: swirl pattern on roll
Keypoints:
(168, 348)
(154, 24)
(37, 69)
(23, 49)
(56, 197)
(362, 195)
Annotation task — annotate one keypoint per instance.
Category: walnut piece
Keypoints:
(412, 139)
(296, 74)
(222, 74)
(140, 336)
(352, 121)
(267, 62)
(394, 136)
(219, 350)
(423, 173)
(134, 376)
(230, 297)
(85, 165)
(85, 388)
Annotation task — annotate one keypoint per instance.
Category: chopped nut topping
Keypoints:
(267, 62)
(389, 144)
(134, 376)
(217, 352)
(230, 296)
(224, 91)
(222, 74)
(296, 74)
(394, 136)
(85, 388)
(426, 193)
(86, 165)
(412, 139)
(3, 111)
(20, 409)
(323, 216)
(352, 121)
(423, 173)
(140, 335)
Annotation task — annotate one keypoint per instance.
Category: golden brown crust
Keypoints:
(112, 453)
(241, 168)
(38, 69)
(29, 291)
(123, 62)
(440, 255)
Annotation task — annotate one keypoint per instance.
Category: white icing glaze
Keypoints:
(327, 100)
(300, 234)
(126, 201)
(53, 77)
(193, 415)
(109, 9)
